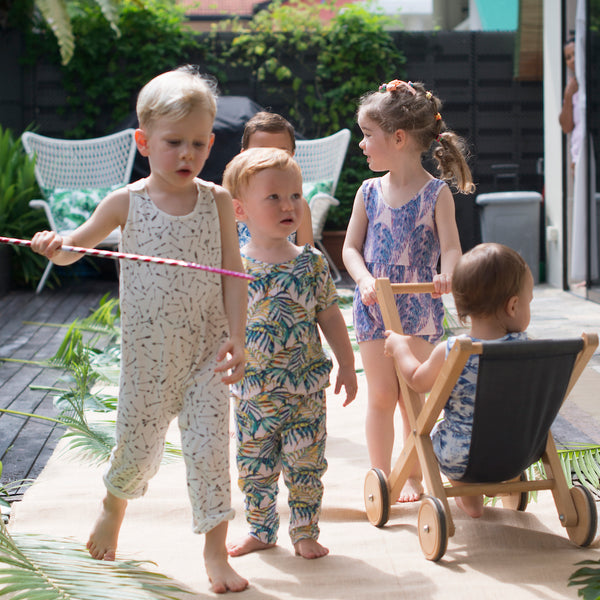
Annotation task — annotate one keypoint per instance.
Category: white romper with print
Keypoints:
(173, 322)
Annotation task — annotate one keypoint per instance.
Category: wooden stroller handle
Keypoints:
(413, 288)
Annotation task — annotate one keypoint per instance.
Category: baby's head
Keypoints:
(174, 95)
(246, 165)
(266, 187)
(269, 130)
(486, 278)
(408, 106)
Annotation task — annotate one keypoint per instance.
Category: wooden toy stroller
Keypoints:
(520, 388)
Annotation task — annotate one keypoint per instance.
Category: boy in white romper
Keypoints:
(181, 346)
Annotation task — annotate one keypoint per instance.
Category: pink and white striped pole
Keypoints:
(139, 257)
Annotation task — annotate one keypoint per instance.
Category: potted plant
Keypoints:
(17, 187)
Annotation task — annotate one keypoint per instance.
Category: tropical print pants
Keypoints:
(281, 433)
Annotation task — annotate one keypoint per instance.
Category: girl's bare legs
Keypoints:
(105, 535)
(383, 396)
(220, 573)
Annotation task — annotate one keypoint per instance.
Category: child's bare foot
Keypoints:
(472, 505)
(102, 544)
(412, 490)
(309, 548)
(246, 545)
(222, 577)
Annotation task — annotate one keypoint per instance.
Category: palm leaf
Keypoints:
(588, 578)
(56, 15)
(37, 567)
(583, 462)
(94, 441)
(106, 316)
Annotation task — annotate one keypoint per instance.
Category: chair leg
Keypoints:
(44, 277)
(334, 270)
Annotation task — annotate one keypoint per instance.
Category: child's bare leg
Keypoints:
(102, 543)
(381, 405)
(472, 505)
(220, 573)
(310, 548)
(246, 545)
(413, 488)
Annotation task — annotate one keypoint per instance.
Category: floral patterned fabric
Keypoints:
(71, 208)
(452, 436)
(402, 244)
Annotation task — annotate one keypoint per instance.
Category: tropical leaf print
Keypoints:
(283, 346)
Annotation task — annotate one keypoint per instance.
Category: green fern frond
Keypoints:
(57, 569)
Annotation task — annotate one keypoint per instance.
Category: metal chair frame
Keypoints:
(78, 164)
(320, 160)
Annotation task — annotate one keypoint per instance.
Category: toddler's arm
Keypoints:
(110, 214)
(417, 360)
(235, 291)
(353, 248)
(445, 221)
(334, 329)
(304, 233)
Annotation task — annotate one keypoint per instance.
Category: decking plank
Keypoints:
(26, 335)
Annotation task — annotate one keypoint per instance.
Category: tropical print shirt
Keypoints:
(283, 346)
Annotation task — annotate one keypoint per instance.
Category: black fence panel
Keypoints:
(472, 72)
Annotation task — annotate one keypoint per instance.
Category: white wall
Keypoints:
(553, 159)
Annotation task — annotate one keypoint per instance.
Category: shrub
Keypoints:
(17, 219)
(107, 70)
(320, 70)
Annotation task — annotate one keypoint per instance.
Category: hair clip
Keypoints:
(438, 117)
(396, 84)
(428, 95)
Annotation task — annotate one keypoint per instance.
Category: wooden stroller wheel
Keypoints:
(377, 498)
(516, 500)
(433, 529)
(584, 532)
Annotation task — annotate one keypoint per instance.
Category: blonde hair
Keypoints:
(252, 161)
(409, 106)
(268, 123)
(485, 278)
(174, 95)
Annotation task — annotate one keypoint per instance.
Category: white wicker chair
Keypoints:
(80, 164)
(321, 161)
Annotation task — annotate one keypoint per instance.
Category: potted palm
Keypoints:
(17, 187)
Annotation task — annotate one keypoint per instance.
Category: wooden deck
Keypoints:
(27, 443)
